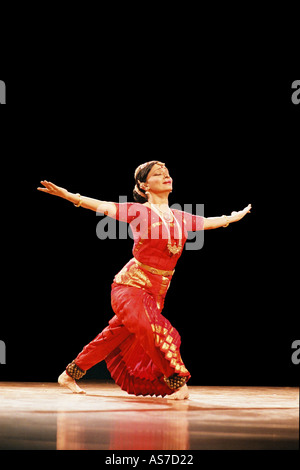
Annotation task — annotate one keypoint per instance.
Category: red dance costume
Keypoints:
(140, 346)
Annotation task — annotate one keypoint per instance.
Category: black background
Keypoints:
(228, 136)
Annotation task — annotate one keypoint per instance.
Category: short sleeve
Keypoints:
(128, 211)
(192, 222)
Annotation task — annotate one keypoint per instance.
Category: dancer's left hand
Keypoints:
(236, 216)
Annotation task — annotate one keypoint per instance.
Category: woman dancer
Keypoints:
(140, 346)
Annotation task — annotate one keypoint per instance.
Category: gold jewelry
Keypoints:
(79, 202)
(173, 249)
(166, 215)
(226, 225)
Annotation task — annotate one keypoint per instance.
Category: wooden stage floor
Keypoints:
(46, 416)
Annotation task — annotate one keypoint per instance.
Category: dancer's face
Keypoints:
(159, 179)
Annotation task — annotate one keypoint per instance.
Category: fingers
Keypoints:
(246, 209)
(239, 215)
(45, 190)
(47, 184)
(49, 187)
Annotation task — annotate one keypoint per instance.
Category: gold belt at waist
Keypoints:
(152, 270)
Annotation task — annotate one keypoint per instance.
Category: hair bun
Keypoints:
(137, 190)
(138, 195)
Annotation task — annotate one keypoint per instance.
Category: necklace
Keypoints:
(166, 215)
(173, 249)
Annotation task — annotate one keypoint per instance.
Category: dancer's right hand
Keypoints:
(51, 188)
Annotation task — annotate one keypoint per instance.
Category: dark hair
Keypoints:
(140, 176)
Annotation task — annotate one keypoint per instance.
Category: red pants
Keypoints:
(140, 346)
(109, 340)
(98, 349)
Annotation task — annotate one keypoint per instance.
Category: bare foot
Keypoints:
(66, 381)
(181, 394)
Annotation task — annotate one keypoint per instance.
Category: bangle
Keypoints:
(226, 225)
(79, 202)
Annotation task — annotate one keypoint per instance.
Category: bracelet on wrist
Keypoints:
(79, 202)
(227, 221)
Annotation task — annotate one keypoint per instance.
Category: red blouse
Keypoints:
(151, 236)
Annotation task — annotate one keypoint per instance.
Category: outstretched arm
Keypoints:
(108, 208)
(225, 220)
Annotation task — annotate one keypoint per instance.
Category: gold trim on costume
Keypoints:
(164, 340)
(136, 275)
(133, 276)
(175, 381)
(152, 270)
